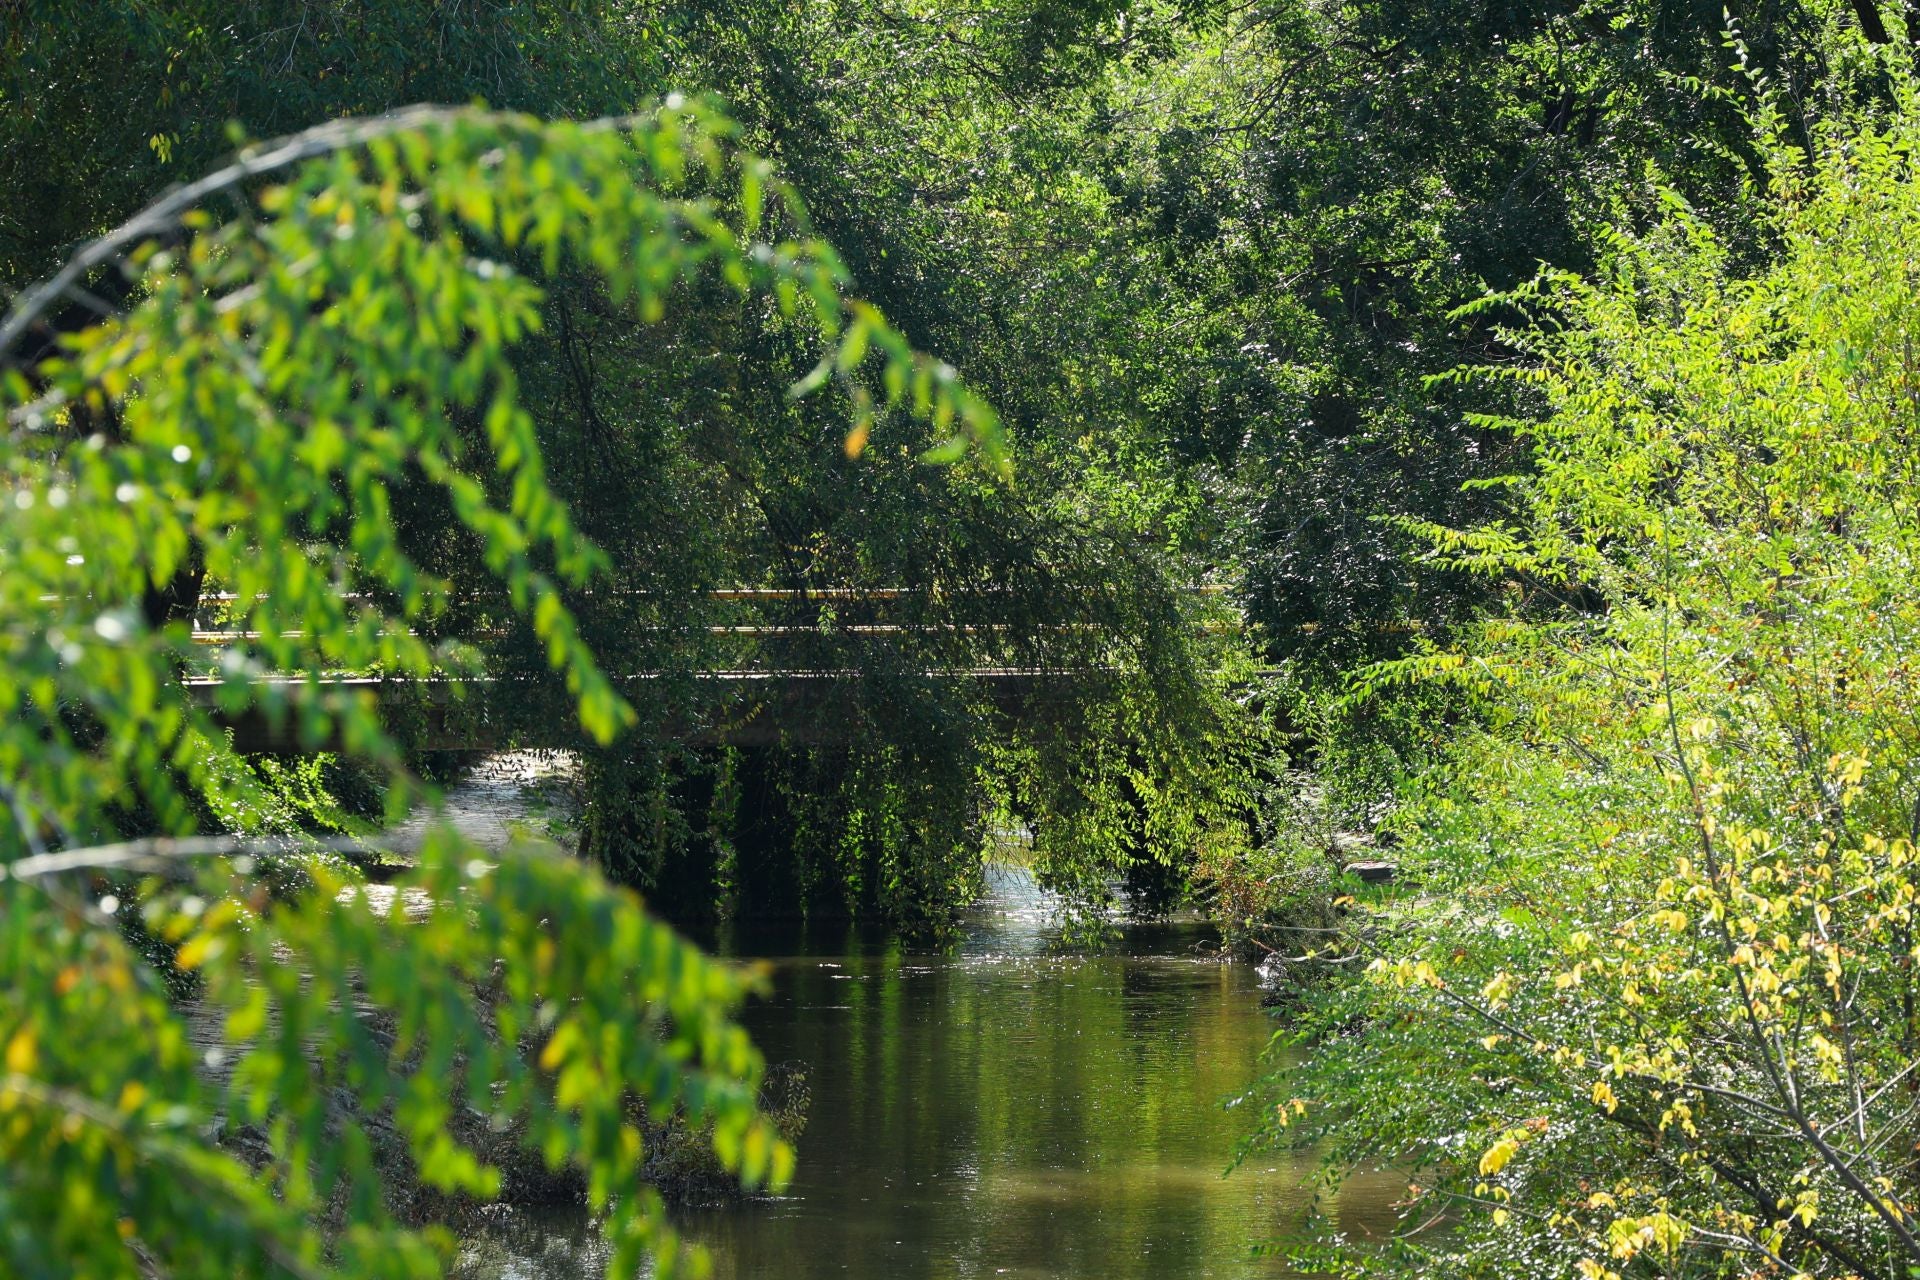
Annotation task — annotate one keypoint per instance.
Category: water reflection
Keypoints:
(1007, 1111)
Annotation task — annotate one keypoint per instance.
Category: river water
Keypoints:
(1001, 1108)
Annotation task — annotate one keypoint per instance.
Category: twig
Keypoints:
(157, 853)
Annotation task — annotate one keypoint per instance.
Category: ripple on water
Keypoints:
(504, 795)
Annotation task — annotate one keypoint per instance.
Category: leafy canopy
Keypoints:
(245, 418)
(282, 372)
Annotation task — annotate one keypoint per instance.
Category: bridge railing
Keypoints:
(777, 685)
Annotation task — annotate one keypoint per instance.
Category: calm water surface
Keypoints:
(1002, 1109)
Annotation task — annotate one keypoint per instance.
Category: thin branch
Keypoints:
(165, 213)
(160, 853)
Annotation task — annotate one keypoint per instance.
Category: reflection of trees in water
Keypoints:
(1051, 1112)
(1002, 1105)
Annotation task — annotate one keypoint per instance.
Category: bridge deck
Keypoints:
(755, 706)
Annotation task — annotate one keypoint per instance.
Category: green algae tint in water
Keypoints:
(1003, 1111)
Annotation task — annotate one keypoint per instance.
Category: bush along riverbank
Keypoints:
(1660, 980)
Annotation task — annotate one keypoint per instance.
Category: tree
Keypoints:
(1331, 184)
(1669, 1025)
(102, 105)
(276, 375)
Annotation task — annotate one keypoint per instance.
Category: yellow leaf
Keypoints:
(856, 442)
(556, 1051)
(1497, 1156)
(23, 1051)
(195, 952)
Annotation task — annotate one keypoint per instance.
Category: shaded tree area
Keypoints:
(686, 459)
(1203, 258)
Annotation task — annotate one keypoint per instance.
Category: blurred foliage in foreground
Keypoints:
(242, 419)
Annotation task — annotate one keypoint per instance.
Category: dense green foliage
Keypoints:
(1203, 259)
(680, 453)
(1666, 1022)
(105, 104)
(248, 413)
(1481, 429)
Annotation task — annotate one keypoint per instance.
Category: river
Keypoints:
(1000, 1108)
